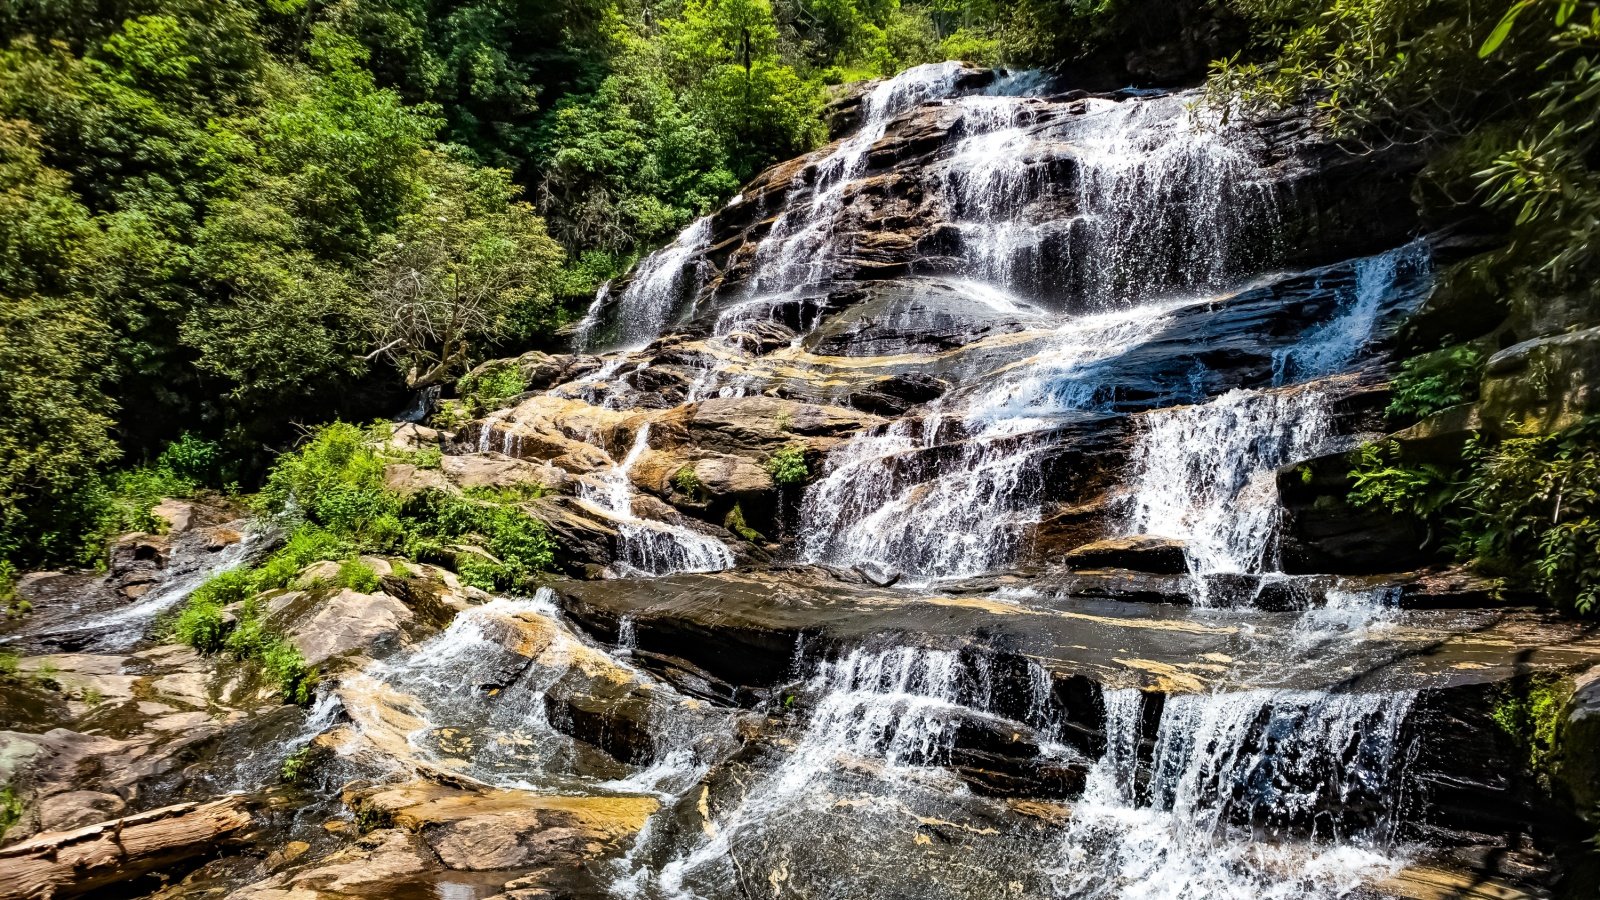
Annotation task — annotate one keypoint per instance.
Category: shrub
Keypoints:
(518, 542)
(1436, 381)
(8, 663)
(788, 466)
(200, 624)
(1530, 714)
(492, 385)
(306, 545)
(335, 481)
(10, 809)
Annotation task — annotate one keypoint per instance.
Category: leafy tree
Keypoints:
(458, 270)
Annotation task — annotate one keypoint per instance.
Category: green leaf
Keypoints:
(1503, 29)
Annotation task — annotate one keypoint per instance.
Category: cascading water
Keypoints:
(651, 547)
(877, 504)
(1167, 202)
(1206, 474)
(1249, 794)
(888, 719)
(653, 292)
(798, 250)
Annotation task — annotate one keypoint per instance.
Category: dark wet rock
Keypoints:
(1142, 553)
(898, 393)
(1544, 384)
(1322, 531)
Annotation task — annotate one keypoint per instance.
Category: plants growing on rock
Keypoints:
(1435, 381)
(1525, 508)
(788, 466)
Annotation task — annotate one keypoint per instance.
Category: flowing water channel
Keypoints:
(1232, 791)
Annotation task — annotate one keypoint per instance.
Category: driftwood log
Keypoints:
(68, 863)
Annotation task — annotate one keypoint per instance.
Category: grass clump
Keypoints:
(686, 481)
(357, 576)
(482, 390)
(10, 809)
(515, 545)
(788, 466)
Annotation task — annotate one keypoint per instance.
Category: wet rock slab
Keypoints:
(753, 630)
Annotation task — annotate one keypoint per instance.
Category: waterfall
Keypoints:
(798, 250)
(1334, 344)
(1206, 474)
(191, 565)
(471, 699)
(656, 287)
(651, 547)
(1167, 203)
(1250, 794)
(893, 713)
(968, 514)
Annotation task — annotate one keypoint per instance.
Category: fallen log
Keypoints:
(68, 863)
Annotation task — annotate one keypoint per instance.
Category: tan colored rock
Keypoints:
(348, 621)
(379, 858)
(502, 472)
(75, 809)
(1139, 552)
(490, 829)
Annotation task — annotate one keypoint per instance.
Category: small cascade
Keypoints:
(190, 566)
(1167, 202)
(892, 717)
(483, 705)
(653, 292)
(798, 250)
(986, 182)
(1278, 794)
(892, 498)
(1334, 345)
(647, 546)
(1206, 474)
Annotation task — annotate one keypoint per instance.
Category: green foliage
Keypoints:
(686, 481)
(357, 576)
(1530, 714)
(8, 663)
(297, 764)
(735, 523)
(788, 466)
(201, 624)
(10, 809)
(334, 481)
(514, 545)
(1436, 381)
(483, 389)
(1527, 509)
(1532, 511)
(1381, 478)
(306, 545)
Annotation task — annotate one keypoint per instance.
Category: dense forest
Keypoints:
(224, 220)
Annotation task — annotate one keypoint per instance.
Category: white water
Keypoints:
(644, 545)
(1206, 475)
(894, 713)
(1233, 782)
(125, 627)
(799, 249)
(653, 292)
(876, 505)
(1168, 203)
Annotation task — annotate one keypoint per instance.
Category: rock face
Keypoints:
(966, 497)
